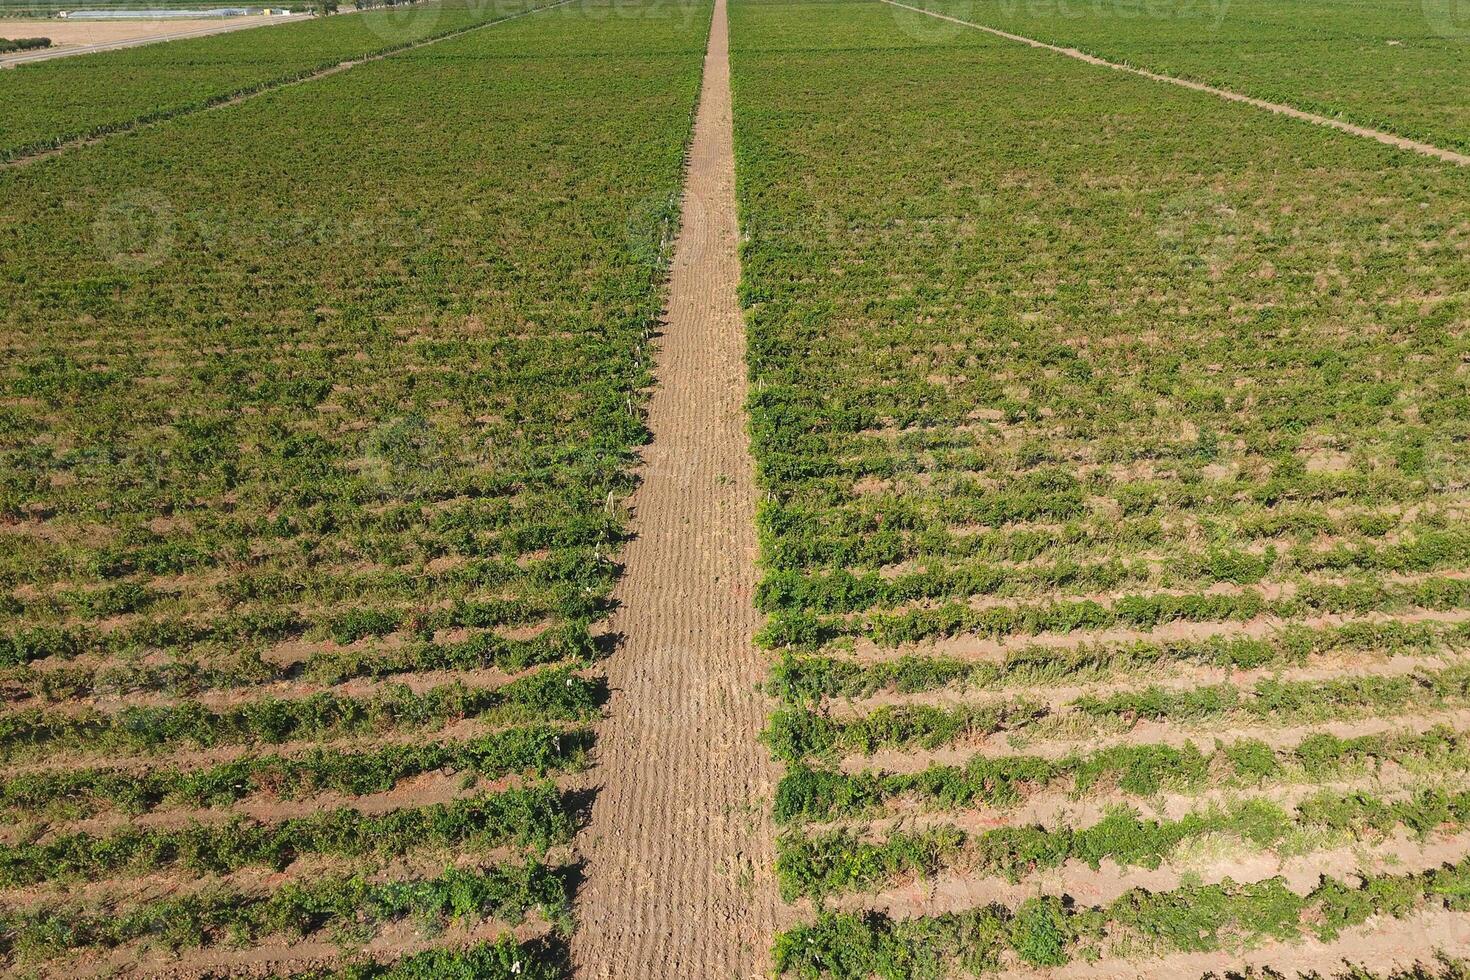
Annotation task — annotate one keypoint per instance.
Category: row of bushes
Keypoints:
(843, 860)
(809, 794)
(554, 694)
(9, 44)
(1049, 931)
(526, 750)
(801, 732)
(534, 816)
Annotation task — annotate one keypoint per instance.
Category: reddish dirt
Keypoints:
(679, 849)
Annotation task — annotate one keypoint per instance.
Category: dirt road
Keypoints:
(679, 881)
(84, 37)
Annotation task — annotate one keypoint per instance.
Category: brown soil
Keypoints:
(1203, 734)
(1402, 143)
(73, 33)
(679, 849)
(1057, 696)
(989, 649)
(1217, 860)
(1380, 944)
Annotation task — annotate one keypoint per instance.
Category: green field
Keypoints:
(1401, 65)
(1097, 430)
(310, 501)
(1112, 443)
(64, 99)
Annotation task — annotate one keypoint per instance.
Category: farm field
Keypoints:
(739, 488)
(1113, 444)
(308, 506)
(53, 102)
(1398, 65)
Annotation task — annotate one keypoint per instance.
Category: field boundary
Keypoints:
(56, 53)
(35, 152)
(1278, 108)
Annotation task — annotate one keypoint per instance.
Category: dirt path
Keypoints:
(679, 850)
(85, 36)
(1402, 143)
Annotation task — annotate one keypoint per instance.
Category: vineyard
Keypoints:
(1114, 448)
(1397, 65)
(309, 501)
(806, 488)
(56, 102)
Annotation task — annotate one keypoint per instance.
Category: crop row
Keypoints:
(504, 959)
(800, 733)
(535, 816)
(842, 860)
(844, 591)
(266, 623)
(538, 749)
(563, 642)
(554, 694)
(877, 533)
(1045, 932)
(1140, 611)
(812, 794)
(799, 679)
(506, 892)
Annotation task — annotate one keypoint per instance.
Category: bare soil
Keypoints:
(679, 851)
(73, 33)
